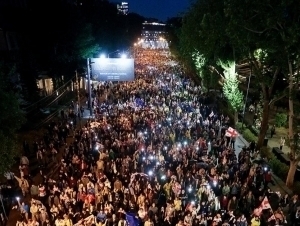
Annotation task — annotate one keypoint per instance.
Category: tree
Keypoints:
(230, 88)
(11, 120)
(204, 44)
(210, 77)
(85, 43)
(293, 138)
(270, 32)
(256, 28)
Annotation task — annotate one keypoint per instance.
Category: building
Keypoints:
(153, 35)
(123, 8)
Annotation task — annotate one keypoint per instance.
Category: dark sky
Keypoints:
(160, 9)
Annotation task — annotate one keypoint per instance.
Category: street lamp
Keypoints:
(78, 97)
(89, 63)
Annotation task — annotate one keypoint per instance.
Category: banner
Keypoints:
(112, 69)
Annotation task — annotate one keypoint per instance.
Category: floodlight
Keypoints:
(124, 56)
(102, 56)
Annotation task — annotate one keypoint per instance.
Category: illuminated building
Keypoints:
(123, 8)
(153, 35)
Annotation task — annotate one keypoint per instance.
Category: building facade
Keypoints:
(123, 8)
(153, 36)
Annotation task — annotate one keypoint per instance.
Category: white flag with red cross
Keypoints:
(265, 204)
(230, 132)
(211, 114)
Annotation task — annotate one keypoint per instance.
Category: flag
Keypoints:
(272, 218)
(230, 132)
(265, 204)
(189, 207)
(257, 212)
(211, 114)
(132, 219)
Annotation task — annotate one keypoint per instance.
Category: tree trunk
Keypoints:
(291, 174)
(293, 158)
(264, 124)
(236, 118)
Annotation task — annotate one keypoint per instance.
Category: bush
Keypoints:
(239, 127)
(280, 119)
(266, 152)
(249, 136)
(254, 130)
(280, 169)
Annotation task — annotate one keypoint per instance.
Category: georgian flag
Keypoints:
(263, 206)
(211, 114)
(230, 132)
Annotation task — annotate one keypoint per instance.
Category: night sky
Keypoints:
(159, 9)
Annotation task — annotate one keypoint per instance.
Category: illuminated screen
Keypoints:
(112, 69)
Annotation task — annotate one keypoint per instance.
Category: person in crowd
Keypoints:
(154, 154)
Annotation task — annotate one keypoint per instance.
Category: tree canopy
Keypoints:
(11, 120)
(262, 34)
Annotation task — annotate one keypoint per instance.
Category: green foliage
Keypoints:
(249, 136)
(265, 34)
(230, 86)
(85, 43)
(202, 32)
(280, 119)
(266, 153)
(8, 151)
(239, 126)
(11, 120)
(280, 169)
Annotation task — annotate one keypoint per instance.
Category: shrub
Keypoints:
(254, 130)
(280, 119)
(239, 127)
(280, 169)
(266, 152)
(249, 136)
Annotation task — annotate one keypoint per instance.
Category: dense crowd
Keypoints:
(156, 153)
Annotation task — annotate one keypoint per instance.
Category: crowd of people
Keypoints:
(156, 153)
